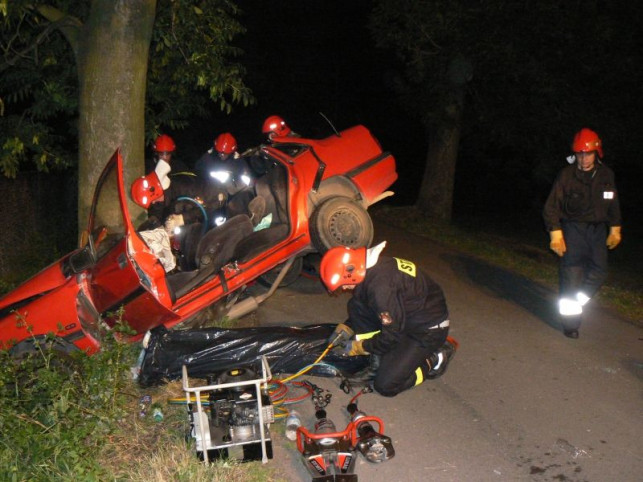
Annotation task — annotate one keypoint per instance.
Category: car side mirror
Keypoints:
(82, 259)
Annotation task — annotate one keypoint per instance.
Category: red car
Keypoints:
(316, 190)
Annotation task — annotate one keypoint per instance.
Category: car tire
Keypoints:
(340, 221)
(268, 278)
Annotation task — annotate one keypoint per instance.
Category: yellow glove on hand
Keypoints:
(614, 237)
(557, 243)
(355, 348)
(341, 335)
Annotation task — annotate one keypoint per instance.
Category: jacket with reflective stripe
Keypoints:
(397, 302)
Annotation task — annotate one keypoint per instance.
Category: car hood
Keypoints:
(46, 280)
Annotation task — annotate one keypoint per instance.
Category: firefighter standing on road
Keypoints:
(583, 217)
(399, 314)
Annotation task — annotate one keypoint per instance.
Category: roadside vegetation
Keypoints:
(79, 419)
(525, 255)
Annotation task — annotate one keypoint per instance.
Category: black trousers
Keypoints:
(405, 365)
(583, 267)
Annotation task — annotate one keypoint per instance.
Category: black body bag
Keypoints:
(212, 350)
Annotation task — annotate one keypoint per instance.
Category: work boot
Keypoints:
(365, 376)
(439, 360)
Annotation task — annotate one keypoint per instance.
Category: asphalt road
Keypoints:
(519, 400)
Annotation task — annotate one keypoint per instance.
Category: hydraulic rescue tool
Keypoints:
(328, 454)
(374, 446)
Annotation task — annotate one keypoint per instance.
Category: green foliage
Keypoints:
(57, 410)
(189, 73)
(38, 93)
(189, 68)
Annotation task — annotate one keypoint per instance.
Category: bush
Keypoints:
(58, 410)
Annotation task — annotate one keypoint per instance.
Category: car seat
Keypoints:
(273, 188)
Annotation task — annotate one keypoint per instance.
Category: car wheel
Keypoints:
(339, 221)
(268, 278)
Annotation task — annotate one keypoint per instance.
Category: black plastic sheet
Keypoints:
(212, 350)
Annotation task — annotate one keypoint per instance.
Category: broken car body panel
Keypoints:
(115, 275)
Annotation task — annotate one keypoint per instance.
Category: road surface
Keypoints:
(519, 401)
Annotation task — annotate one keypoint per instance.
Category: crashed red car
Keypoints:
(317, 191)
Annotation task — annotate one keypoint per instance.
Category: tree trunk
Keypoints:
(112, 71)
(435, 199)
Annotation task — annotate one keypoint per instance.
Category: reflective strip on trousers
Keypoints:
(366, 336)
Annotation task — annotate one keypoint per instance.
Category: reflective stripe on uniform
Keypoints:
(366, 336)
(419, 376)
(444, 324)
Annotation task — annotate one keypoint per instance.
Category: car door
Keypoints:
(126, 276)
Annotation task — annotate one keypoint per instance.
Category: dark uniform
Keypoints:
(408, 312)
(185, 184)
(239, 193)
(583, 204)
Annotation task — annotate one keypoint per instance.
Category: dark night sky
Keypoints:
(311, 56)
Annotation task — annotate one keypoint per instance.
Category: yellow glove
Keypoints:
(557, 243)
(354, 348)
(341, 335)
(614, 237)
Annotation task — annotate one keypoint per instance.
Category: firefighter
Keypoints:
(275, 126)
(220, 158)
(583, 217)
(397, 314)
(224, 167)
(173, 200)
(164, 149)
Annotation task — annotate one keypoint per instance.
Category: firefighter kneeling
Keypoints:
(397, 315)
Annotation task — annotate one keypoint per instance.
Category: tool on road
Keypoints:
(372, 444)
(328, 454)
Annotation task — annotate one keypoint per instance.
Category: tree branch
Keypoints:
(69, 25)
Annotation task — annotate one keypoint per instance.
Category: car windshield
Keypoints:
(107, 226)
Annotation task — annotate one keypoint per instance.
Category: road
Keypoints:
(519, 401)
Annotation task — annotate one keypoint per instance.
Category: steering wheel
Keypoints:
(200, 206)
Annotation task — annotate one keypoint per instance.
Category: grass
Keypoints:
(80, 420)
(523, 255)
(83, 423)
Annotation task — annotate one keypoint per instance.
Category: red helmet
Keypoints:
(146, 189)
(342, 266)
(164, 143)
(275, 126)
(586, 140)
(225, 143)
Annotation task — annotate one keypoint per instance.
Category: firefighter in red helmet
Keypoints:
(225, 168)
(583, 217)
(225, 145)
(397, 315)
(275, 126)
(147, 190)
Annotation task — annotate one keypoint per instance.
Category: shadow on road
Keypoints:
(504, 284)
